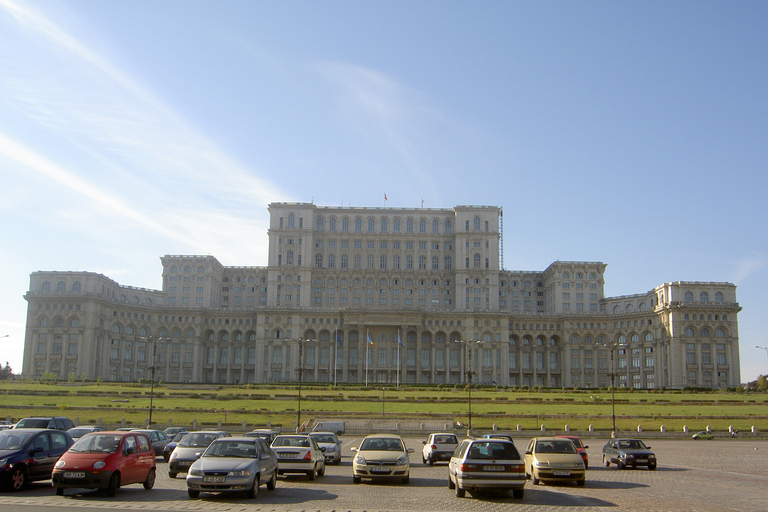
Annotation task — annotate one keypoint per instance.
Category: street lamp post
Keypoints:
(382, 402)
(762, 348)
(300, 369)
(468, 344)
(152, 368)
(612, 347)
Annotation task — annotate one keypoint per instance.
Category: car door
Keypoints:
(267, 459)
(611, 451)
(456, 458)
(146, 457)
(128, 460)
(528, 457)
(41, 461)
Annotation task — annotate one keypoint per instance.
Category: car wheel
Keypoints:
(460, 493)
(59, 491)
(621, 465)
(534, 479)
(581, 483)
(311, 474)
(451, 485)
(518, 493)
(254, 490)
(171, 475)
(150, 481)
(586, 465)
(355, 479)
(321, 471)
(192, 493)
(652, 467)
(272, 481)
(431, 461)
(114, 485)
(406, 479)
(606, 461)
(18, 479)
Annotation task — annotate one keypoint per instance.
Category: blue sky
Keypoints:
(633, 133)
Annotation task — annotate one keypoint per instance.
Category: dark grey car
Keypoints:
(628, 452)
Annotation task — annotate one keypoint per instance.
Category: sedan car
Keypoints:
(78, 432)
(486, 464)
(157, 439)
(29, 454)
(329, 444)
(233, 464)
(381, 457)
(579, 444)
(628, 452)
(703, 435)
(553, 459)
(189, 449)
(106, 461)
(299, 454)
(267, 434)
(438, 447)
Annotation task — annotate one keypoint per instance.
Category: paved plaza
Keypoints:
(717, 475)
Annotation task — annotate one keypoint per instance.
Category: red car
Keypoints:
(106, 461)
(579, 448)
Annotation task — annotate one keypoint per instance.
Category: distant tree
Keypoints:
(6, 372)
(762, 384)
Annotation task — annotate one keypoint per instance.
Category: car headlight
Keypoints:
(244, 472)
(360, 460)
(330, 449)
(651, 456)
(196, 472)
(402, 460)
(59, 463)
(98, 465)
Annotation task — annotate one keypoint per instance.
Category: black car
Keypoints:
(168, 449)
(54, 422)
(29, 454)
(628, 452)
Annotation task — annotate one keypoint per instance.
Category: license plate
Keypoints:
(287, 455)
(561, 473)
(74, 474)
(184, 463)
(214, 479)
(377, 469)
(493, 468)
(642, 461)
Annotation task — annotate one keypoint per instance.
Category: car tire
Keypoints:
(460, 493)
(321, 471)
(18, 478)
(150, 481)
(606, 461)
(113, 485)
(451, 485)
(621, 465)
(311, 474)
(254, 490)
(431, 461)
(355, 479)
(272, 481)
(534, 480)
(193, 493)
(518, 493)
(59, 491)
(652, 467)
(172, 475)
(581, 483)
(406, 479)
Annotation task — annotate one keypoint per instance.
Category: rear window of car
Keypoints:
(33, 423)
(493, 450)
(446, 440)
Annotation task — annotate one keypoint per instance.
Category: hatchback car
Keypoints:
(553, 459)
(78, 432)
(579, 444)
(628, 452)
(157, 439)
(486, 464)
(381, 457)
(189, 449)
(329, 444)
(438, 447)
(703, 435)
(233, 464)
(29, 454)
(54, 422)
(106, 461)
(298, 454)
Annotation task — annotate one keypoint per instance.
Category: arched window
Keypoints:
(476, 260)
(566, 275)
(688, 296)
(61, 286)
(176, 333)
(143, 331)
(689, 332)
(370, 225)
(435, 263)
(344, 261)
(332, 224)
(719, 297)
(345, 224)
(476, 225)
(44, 322)
(358, 225)
(116, 329)
(630, 307)
(409, 226)
(616, 308)
(201, 269)
(384, 225)
(128, 329)
(76, 286)
(187, 269)
(291, 220)
(719, 333)
(621, 340)
(448, 226)
(574, 339)
(190, 333)
(435, 226)
(635, 338)
(704, 333)
(210, 336)
(46, 287)
(289, 258)
(319, 260)
(703, 297)
(319, 223)
(649, 336)
(224, 336)
(422, 226)
(59, 322)
(396, 225)
(331, 261)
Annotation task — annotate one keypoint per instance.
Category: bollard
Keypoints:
(663, 429)
(591, 428)
(495, 427)
(639, 428)
(567, 428)
(543, 428)
(685, 428)
(519, 427)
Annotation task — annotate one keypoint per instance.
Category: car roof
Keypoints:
(383, 436)
(33, 430)
(239, 438)
(318, 433)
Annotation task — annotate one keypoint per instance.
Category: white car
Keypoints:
(381, 457)
(329, 444)
(438, 447)
(299, 454)
(486, 464)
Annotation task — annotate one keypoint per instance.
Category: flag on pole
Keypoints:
(338, 338)
(370, 341)
(385, 196)
(397, 338)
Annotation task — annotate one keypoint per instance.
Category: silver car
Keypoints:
(233, 464)
(329, 444)
(189, 449)
(299, 454)
(479, 464)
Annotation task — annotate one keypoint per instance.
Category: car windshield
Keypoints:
(493, 450)
(377, 444)
(79, 432)
(97, 443)
(10, 440)
(197, 440)
(327, 438)
(238, 449)
(33, 423)
(178, 437)
(632, 444)
(564, 446)
(291, 441)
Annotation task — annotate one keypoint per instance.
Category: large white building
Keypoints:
(382, 295)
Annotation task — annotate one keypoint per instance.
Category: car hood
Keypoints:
(222, 464)
(77, 460)
(7, 453)
(380, 455)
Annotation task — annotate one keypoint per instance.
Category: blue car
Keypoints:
(29, 454)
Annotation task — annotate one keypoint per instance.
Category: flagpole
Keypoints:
(336, 357)
(367, 348)
(398, 358)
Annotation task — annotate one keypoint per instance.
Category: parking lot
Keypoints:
(717, 475)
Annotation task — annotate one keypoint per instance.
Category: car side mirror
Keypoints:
(528, 452)
(353, 449)
(265, 456)
(410, 450)
(322, 449)
(648, 447)
(423, 442)
(585, 447)
(198, 454)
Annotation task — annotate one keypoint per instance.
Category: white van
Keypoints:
(329, 426)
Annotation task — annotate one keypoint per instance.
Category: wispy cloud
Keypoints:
(747, 266)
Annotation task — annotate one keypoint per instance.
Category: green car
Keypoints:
(703, 435)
